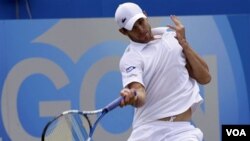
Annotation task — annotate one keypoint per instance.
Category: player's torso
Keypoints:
(164, 65)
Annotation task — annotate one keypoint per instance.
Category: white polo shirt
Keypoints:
(160, 67)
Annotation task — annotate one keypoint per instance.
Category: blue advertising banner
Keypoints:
(47, 9)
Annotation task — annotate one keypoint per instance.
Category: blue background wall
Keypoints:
(105, 8)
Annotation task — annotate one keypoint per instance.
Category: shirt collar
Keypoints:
(157, 32)
(140, 46)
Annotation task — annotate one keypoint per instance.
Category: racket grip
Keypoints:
(114, 104)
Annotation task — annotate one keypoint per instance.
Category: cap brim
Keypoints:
(132, 21)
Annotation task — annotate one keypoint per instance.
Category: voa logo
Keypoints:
(236, 132)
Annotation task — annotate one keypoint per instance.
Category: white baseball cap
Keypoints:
(127, 14)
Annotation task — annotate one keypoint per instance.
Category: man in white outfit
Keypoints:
(160, 74)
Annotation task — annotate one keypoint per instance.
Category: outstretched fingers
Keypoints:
(178, 27)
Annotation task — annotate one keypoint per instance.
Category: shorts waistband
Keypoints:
(185, 116)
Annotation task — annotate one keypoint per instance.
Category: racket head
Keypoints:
(71, 125)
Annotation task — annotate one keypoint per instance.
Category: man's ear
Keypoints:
(123, 31)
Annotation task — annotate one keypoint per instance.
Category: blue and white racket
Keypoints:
(75, 125)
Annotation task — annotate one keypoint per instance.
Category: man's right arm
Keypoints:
(134, 94)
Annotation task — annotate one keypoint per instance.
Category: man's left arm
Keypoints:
(196, 66)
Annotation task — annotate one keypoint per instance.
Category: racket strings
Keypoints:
(70, 127)
(74, 122)
(58, 130)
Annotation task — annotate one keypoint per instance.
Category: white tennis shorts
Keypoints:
(166, 131)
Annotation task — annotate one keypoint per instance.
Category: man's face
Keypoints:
(141, 31)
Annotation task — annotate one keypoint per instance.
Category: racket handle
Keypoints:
(115, 103)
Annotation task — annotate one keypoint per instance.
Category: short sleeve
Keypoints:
(131, 67)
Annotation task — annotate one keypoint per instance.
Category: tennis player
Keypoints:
(163, 70)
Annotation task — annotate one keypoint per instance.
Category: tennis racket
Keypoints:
(75, 125)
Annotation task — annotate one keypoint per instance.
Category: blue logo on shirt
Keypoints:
(129, 69)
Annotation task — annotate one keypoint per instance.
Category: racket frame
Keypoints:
(92, 128)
